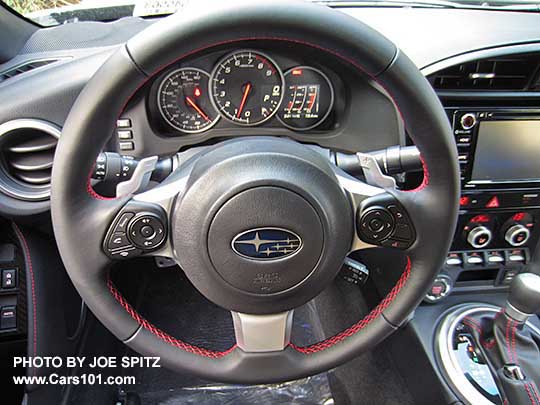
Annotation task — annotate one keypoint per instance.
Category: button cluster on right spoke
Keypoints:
(386, 224)
(376, 224)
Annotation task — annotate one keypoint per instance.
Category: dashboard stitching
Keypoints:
(201, 351)
(28, 258)
(378, 310)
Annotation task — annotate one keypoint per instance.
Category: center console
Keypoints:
(498, 227)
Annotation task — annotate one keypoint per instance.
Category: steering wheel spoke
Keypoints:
(381, 219)
(263, 333)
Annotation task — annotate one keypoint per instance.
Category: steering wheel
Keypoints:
(220, 205)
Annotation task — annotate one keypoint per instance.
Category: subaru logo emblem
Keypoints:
(266, 243)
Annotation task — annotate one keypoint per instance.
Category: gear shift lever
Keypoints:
(524, 298)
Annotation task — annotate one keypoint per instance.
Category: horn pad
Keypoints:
(263, 225)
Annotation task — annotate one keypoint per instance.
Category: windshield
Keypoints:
(53, 12)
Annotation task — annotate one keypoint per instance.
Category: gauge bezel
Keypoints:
(167, 120)
(330, 107)
(227, 57)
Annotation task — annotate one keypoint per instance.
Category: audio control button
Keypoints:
(147, 231)
(376, 224)
(468, 121)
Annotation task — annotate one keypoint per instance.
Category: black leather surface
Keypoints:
(79, 220)
(504, 341)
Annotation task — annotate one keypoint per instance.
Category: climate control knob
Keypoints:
(517, 235)
(479, 237)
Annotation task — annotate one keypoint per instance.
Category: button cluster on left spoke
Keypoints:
(136, 229)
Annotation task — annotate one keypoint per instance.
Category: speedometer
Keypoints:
(246, 87)
(183, 100)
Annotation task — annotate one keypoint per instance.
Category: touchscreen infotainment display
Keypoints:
(507, 151)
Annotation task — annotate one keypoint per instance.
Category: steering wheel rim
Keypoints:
(81, 217)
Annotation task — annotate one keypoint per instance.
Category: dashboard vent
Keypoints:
(25, 67)
(26, 157)
(514, 73)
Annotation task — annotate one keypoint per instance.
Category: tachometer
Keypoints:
(308, 99)
(184, 102)
(247, 87)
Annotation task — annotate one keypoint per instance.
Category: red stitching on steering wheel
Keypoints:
(201, 351)
(378, 310)
(308, 349)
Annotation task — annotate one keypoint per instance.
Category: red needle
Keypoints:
(197, 108)
(244, 98)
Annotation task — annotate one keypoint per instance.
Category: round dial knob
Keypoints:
(517, 235)
(468, 121)
(441, 287)
(479, 237)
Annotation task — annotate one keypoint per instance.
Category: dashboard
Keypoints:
(245, 87)
(258, 87)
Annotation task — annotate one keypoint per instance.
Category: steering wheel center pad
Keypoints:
(243, 187)
(80, 220)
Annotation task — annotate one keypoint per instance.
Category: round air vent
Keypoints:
(26, 156)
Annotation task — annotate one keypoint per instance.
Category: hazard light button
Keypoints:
(493, 202)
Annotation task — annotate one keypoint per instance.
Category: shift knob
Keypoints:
(524, 297)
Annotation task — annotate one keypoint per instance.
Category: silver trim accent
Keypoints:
(444, 351)
(139, 179)
(377, 183)
(465, 116)
(373, 173)
(513, 231)
(132, 337)
(320, 120)
(219, 64)
(515, 313)
(27, 123)
(480, 54)
(263, 333)
(478, 231)
(168, 121)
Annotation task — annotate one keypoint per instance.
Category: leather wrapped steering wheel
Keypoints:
(240, 186)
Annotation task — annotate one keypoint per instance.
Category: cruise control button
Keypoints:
(118, 240)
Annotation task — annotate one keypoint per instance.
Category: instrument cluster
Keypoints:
(244, 88)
